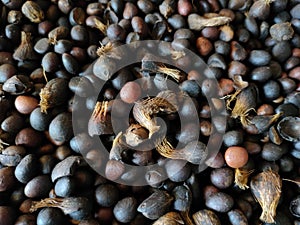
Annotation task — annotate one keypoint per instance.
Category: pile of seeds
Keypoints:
(59, 57)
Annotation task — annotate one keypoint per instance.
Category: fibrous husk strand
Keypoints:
(154, 67)
(245, 101)
(104, 49)
(166, 149)
(45, 101)
(54, 94)
(143, 111)
(241, 177)
(100, 111)
(25, 50)
(68, 205)
(239, 83)
(109, 51)
(266, 188)
(135, 135)
(174, 73)
(197, 22)
(186, 217)
(170, 218)
(177, 54)
(100, 26)
(142, 115)
(100, 121)
(2, 143)
(194, 152)
(206, 217)
(58, 33)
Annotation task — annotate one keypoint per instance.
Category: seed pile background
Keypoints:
(48, 47)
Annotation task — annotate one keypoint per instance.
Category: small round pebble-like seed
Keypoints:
(130, 92)
(26, 104)
(236, 156)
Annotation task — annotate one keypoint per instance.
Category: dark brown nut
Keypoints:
(38, 187)
(65, 6)
(50, 62)
(295, 73)
(13, 124)
(42, 46)
(33, 11)
(145, 6)
(220, 202)
(155, 205)
(6, 72)
(204, 46)
(291, 63)
(70, 63)
(130, 10)
(260, 9)
(114, 169)
(58, 33)
(67, 167)
(55, 93)
(7, 215)
(259, 57)
(29, 137)
(26, 219)
(177, 170)
(237, 217)
(216, 162)
(106, 195)
(217, 61)
(60, 128)
(27, 168)
(77, 16)
(238, 53)
(211, 33)
(282, 51)
(115, 32)
(6, 57)
(45, 27)
(7, 179)
(295, 11)
(261, 74)
(184, 7)
(125, 209)
(265, 109)
(139, 26)
(94, 8)
(237, 68)
(222, 178)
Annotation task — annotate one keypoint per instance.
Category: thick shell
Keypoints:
(289, 128)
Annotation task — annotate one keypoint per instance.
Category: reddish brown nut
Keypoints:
(26, 104)
(236, 156)
(204, 46)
